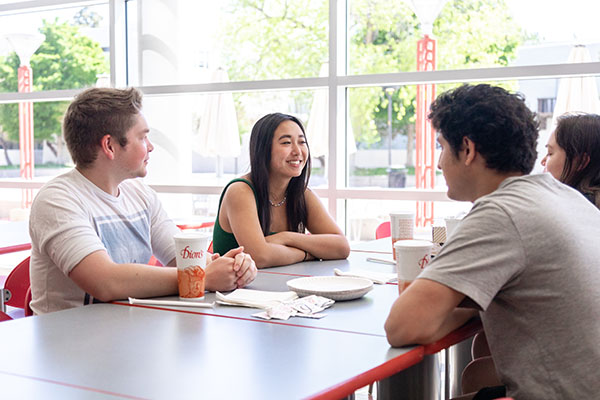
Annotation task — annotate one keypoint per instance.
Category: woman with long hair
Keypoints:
(269, 210)
(573, 155)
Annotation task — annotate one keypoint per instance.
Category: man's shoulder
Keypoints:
(67, 183)
(528, 191)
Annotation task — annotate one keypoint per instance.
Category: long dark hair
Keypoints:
(261, 142)
(579, 136)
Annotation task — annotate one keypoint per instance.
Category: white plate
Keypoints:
(332, 287)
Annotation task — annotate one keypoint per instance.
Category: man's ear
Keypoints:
(107, 145)
(469, 149)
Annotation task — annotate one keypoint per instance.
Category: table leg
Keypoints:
(422, 381)
(458, 356)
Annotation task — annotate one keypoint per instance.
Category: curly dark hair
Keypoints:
(504, 130)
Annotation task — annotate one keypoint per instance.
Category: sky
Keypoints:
(559, 20)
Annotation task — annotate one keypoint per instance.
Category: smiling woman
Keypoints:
(251, 210)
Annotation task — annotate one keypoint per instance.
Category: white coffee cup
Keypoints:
(402, 227)
(191, 253)
(412, 256)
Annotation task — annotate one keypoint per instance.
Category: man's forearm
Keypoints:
(455, 320)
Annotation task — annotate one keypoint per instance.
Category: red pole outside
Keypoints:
(26, 134)
(425, 146)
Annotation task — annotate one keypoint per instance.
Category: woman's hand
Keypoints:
(235, 269)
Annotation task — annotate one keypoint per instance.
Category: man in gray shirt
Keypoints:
(527, 255)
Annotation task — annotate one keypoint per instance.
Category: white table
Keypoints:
(123, 351)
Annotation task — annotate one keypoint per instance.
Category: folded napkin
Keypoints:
(255, 298)
(179, 303)
(376, 277)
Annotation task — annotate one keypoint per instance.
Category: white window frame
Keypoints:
(337, 84)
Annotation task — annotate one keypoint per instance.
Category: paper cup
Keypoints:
(451, 224)
(412, 256)
(402, 227)
(191, 262)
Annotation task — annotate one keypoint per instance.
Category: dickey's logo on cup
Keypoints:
(187, 253)
(424, 261)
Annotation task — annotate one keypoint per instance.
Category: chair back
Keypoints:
(154, 262)
(16, 285)
(28, 310)
(4, 316)
(383, 230)
(17, 288)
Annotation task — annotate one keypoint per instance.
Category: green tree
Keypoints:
(265, 39)
(65, 60)
(468, 33)
(271, 39)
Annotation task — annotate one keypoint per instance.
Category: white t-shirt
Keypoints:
(71, 218)
(528, 256)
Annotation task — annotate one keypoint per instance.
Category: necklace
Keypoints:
(278, 204)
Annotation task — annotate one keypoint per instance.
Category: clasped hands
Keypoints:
(233, 270)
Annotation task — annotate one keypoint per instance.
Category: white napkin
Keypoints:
(255, 298)
(179, 303)
(376, 277)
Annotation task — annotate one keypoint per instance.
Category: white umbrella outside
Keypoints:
(218, 134)
(318, 122)
(579, 93)
(573, 95)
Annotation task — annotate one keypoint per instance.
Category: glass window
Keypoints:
(174, 51)
(384, 36)
(364, 216)
(183, 42)
(66, 47)
(204, 139)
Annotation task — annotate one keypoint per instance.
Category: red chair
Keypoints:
(154, 261)
(4, 316)
(17, 291)
(383, 230)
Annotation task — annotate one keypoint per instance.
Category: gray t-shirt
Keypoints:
(528, 256)
(72, 218)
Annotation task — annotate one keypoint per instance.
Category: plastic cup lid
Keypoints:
(413, 244)
(403, 214)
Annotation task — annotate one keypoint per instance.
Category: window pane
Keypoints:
(384, 160)
(383, 36)
(184, 42)
(50, 153)
(196, 141)
(73, 53)
(364, 216)
(191, 210)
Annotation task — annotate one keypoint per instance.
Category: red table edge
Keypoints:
(389, 368)
(15, 248)
(466, 331)
(200, 225)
